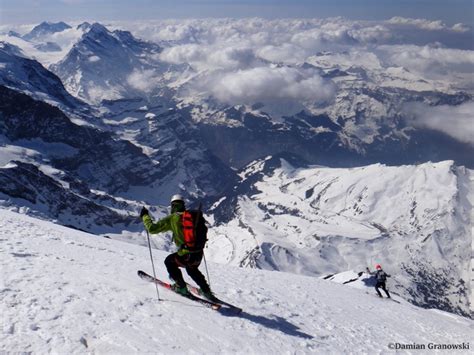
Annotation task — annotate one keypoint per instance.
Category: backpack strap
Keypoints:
(197, 218)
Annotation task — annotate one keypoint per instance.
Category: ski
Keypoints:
(384, 298)
(144, 276)
(195, 291)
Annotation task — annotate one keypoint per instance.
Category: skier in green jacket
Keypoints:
(183, 257)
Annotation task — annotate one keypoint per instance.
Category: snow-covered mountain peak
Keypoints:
(97, 31)
(14, 34)
(105, 65)
(409, 217)
(85, 26)
(46, 28)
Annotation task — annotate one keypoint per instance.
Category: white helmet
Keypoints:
(177, 197)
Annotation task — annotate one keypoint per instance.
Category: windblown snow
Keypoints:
(66, 291)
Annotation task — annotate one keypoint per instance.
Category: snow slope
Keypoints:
(316, 221)
(66, 291)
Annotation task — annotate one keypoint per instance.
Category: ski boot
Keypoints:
(207, 294)
(183, 291)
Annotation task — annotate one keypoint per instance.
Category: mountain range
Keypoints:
(334, 180)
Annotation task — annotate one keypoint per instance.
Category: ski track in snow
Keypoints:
(66, 291)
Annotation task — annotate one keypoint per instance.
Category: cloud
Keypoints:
(460, 27)
(427, 24)
(186, 53)
(429, 61)
(144, 80)
(420, 23)
(328, 36)
(177, 32)
(215, 57)
(239, 61)
(372, 34)
(286, 53)
(456, 121)
(265, 84)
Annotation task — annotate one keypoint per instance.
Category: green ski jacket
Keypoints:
(169, 223)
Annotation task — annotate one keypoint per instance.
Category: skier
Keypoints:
(183, 257)
(381, 277)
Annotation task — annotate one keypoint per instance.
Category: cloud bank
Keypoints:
(456, 121)
(245, 61)
(264, 84)
(427, 24)
(255, 60)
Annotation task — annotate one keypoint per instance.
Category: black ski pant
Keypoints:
(381, 284)
(189, 261)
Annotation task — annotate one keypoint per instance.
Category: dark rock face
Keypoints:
(23, 181)
(319, 139)
(101, 160)
(28, 75)
(172, 140)
(239, 146)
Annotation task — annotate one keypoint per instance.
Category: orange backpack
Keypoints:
(194, 230)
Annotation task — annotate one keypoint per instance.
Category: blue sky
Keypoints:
(33, 11)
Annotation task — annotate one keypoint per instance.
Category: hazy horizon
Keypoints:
(12, 12)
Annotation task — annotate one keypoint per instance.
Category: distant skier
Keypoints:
(187, 257)
(381, 277)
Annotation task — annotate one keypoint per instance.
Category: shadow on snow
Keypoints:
(276, 322)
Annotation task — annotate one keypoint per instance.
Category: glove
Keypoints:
(143, 212)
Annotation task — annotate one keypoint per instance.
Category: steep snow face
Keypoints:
(415, 220)
(65, 291)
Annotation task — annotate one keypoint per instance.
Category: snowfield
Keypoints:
(66, 291)
(316, 221)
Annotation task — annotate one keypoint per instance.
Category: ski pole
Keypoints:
(152, 264)
(207, 271)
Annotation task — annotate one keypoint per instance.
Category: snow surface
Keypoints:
(65, 291)
(64, 39)
(318, 221)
